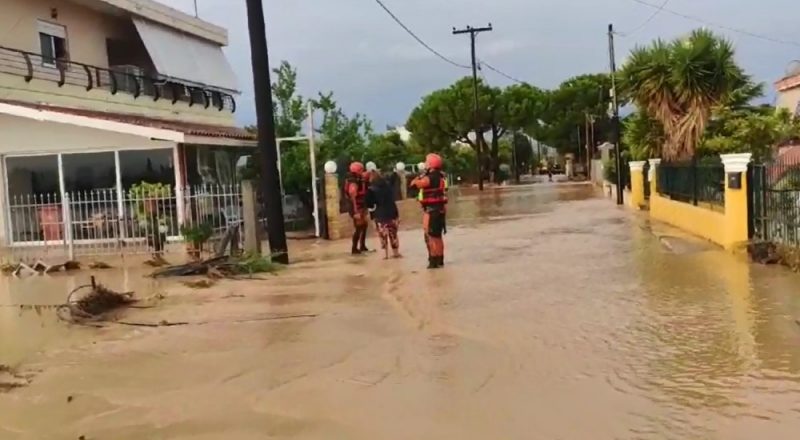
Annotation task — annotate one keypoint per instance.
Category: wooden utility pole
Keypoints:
(270, 182)
(473, 33)
(615, 113)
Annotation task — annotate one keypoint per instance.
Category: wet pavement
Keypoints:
(558, 316)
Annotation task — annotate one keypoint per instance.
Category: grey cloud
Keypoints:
(353, 48)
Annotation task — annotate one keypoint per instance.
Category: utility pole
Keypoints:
(267, 144)
(195, 9)
(615, 112)
(473, 33)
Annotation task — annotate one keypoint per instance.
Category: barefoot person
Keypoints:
(355, 189)
(433, 186)
(381, 203)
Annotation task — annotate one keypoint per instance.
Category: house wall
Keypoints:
(789, 99)
(22, 136)
(87, 30)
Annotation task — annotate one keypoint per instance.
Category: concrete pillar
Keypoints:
(332, 200)
(403, 184)
(736, 184)
(569, 167)
(652, 175)
(636, 199)
(252, 230)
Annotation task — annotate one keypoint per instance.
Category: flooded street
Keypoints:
(558, 316)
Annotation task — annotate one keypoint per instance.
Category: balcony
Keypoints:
(120, 79)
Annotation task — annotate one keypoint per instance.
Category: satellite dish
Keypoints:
(793, 68)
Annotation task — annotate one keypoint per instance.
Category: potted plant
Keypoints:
(147, 197)
(196, 236)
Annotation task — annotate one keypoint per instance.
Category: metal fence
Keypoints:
(108, 222)
(775, 200)
(699, 182)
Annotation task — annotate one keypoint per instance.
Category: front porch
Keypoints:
(82, 187)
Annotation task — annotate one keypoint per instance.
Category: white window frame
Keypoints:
(52, 30)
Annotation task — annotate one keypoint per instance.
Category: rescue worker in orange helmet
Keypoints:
(355, 189)
(434, 199)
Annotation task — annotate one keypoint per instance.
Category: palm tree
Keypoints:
(679, 84)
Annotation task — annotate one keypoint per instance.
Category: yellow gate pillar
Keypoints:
(652, 175)
(637, 184)
(736, 183)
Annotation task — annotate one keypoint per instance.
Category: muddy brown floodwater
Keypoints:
(559, 316)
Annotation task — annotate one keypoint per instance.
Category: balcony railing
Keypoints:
(33, 66)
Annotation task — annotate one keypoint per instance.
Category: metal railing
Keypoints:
(32, 66)
(775, 198)
(699, 182)
(109, 222)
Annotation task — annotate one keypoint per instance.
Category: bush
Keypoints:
(610, 170)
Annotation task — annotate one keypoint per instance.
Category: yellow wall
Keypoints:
(87, 30)
(728, 229)
(702, 222)
(636, 199)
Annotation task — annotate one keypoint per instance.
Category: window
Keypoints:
(53, 43)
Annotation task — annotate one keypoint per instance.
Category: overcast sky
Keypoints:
(354, 49)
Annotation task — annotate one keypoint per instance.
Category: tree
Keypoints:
(290, 112)
(750, 130)
(446, 116)
(679, 84)
(567, 108)
(343, 138)
(290, 108)
(387, 149)
(643, 136)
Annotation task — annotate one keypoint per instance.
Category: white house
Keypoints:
(97, 96)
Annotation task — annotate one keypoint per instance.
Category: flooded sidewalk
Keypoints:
(558, 316)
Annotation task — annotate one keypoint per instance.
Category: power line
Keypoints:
(721, 26)
(647, 21)
(419, 40)
(501, 73)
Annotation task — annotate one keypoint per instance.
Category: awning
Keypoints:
(183, 56)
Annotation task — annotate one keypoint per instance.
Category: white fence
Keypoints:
(144, 220)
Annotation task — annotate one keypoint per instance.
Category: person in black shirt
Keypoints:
(381, 203)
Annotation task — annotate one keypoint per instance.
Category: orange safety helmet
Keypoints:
(357, 168)
(433, 161)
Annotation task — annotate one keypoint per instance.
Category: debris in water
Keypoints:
(200, 284)
(10, 379)
(69, 399)
(764, 253)
(99, 265)
(157, 261)
(99, 301)
(221, 267)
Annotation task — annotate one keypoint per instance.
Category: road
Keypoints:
(558, 316)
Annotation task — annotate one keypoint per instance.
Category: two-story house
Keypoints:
(97, 96)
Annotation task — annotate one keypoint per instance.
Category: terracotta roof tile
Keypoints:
(183, 127)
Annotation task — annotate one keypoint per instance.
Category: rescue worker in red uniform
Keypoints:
(355, 189)
(433, 200)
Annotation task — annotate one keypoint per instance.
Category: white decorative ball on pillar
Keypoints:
(400, 166)
(330, 167)
(371, 166)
